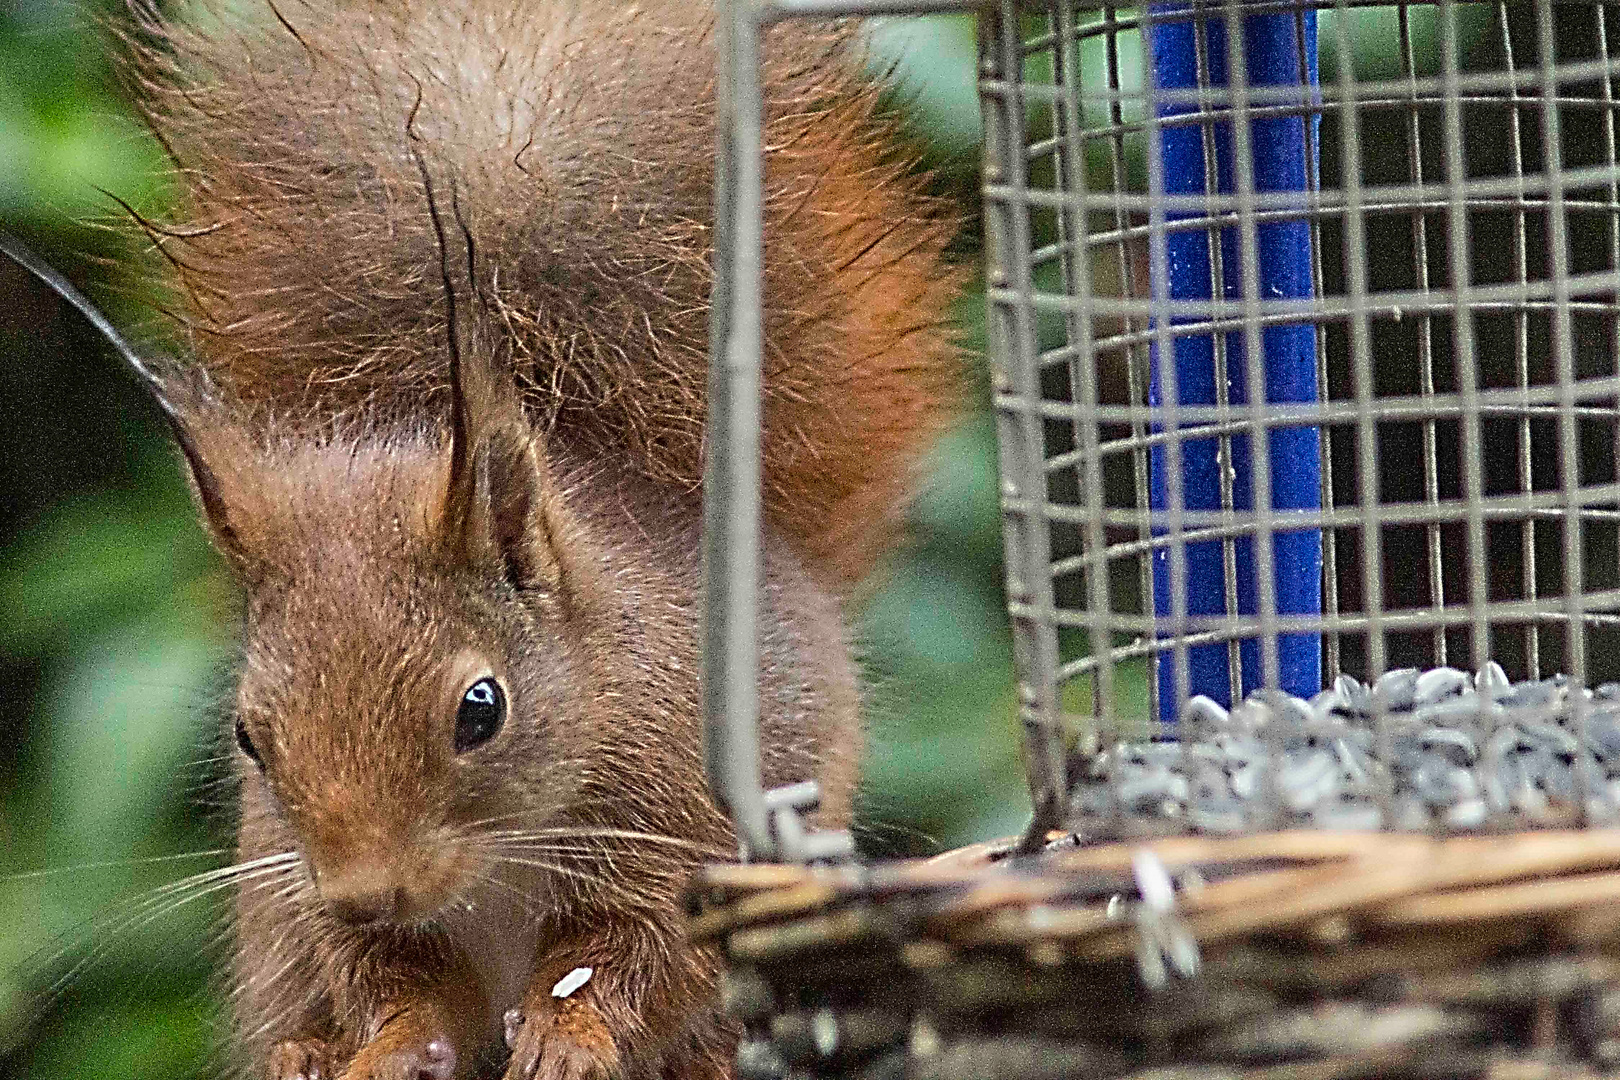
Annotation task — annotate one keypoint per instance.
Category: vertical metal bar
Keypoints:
(1564, 365)
(1245, 351)
(1237, 564)
(1074, 274)
(1171, 564)
(1420, 267)
(1137, 361)
(732, 512)
(1613, 263)
(1462, 273)
(1020, 430)
(1331, 639)
(1367, 468)
(1074, 227)
(1521, 346)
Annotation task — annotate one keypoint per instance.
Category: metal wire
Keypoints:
(1463, 208)
(1011, 322)
(732, 503)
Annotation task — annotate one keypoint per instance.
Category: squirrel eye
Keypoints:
(482, 712)
(246, 743)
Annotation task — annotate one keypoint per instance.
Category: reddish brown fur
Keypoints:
(357, 596)
(400, 540)
(579, 140)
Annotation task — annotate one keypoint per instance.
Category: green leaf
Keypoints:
(935, 64)
(140, 1036)
(95, 559)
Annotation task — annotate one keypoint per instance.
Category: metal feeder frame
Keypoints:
(1071, 542)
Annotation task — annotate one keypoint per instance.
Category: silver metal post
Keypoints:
(732, 514)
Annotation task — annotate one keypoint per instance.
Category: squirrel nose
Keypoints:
(362, 894)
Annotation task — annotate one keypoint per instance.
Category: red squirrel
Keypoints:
(444, 271)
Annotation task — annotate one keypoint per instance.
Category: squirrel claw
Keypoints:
(567, 1041)
(405, 1049)
(299, 1059)
(434, 1061)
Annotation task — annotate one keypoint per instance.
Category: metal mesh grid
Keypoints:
(1462, 225)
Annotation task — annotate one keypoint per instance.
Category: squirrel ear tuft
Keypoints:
(498, 504)
(176, 394)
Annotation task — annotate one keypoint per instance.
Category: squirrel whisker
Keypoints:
(620, 863)
(602, 881)
(564, 832)
(111, 864)
(547, 849)
(140, 911)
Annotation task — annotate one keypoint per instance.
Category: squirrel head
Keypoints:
(416, 675)
(413, 613)
(426, 632)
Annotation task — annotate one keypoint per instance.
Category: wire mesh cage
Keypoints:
(1306, 352)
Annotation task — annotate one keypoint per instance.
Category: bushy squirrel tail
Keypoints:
(570, 146)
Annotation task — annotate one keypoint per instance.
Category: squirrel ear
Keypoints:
(500, 508)
(515, 514)
(167, 391)
(209, 492)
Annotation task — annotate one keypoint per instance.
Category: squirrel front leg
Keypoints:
(647, 1006)
(411, 1007)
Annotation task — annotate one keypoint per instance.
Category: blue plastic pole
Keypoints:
(1272, 51)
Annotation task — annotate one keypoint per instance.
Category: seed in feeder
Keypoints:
(824, 1029)
(1437, 684)
(571, 982)
(1153, 881)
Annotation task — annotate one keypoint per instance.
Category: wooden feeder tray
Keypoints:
(1284, 954)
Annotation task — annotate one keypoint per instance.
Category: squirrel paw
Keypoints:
(566, 1040)
(410, 1045)
(300, 1059)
